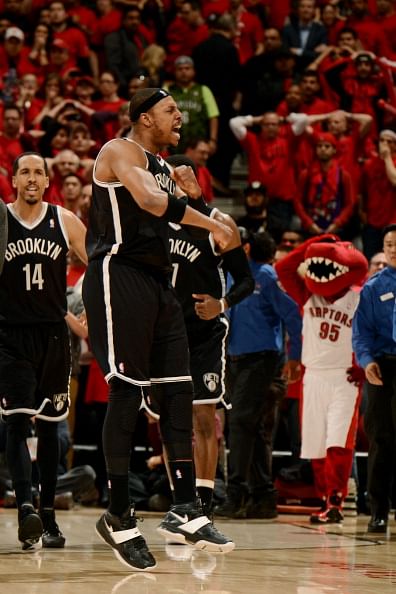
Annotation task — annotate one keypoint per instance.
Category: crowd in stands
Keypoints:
(303, 89)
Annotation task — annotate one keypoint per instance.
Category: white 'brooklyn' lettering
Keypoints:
(33, 246)
(165, 182)
(183, 248)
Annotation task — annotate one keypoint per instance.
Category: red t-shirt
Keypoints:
(249, 34)
(379, 195)
(271, 163)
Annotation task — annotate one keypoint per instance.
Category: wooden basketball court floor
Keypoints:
(282, 556)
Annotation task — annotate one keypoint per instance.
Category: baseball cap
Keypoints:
(326, 137)
(86, 81)
(363, 58)
(59, 43)
(14, 32)
(182, 60)
(255, 186)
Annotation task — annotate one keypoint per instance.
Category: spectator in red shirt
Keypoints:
(185, 32)
(360, 83)
(332, 22)
(292, 101)
(63, 28)
(109, 19)
(271, 161)
(59, 58)
(365, 25)
(14, 61)
(83, 17)
(27, 101)
(386, 19)
(13, 142)
(249, 38)
(311, 90)
(198, 151)
(324, 199)
(350, 131)
(378, 193)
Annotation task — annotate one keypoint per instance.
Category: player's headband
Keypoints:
(148, 103)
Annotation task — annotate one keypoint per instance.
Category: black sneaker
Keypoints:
(30, 527)
(263, 510)
(122, 534)
(230, 509)
(185, 523)
(52, 537)
(331, 515)
(378, 525)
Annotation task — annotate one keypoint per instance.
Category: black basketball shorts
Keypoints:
(35, 371)
(135, 325)
(207, 364)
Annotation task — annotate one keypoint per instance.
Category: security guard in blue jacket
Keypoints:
(256, 344)
(375, 348)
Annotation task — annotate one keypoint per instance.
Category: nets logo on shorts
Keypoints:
(59, 401)
(211, 381)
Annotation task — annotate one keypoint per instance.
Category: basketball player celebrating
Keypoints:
(34, 341)
(136, 323)
(199, 269)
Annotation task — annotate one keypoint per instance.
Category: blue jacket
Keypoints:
(372, 326)
(256, 322)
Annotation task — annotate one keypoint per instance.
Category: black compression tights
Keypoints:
(47, 460)
(118, 429)
(18, 458)
(119, 425)
(19, 463)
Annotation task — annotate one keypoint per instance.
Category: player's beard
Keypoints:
(254, 210)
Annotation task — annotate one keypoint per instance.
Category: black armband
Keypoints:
(236, 263)
(176, 209)
(200, 205)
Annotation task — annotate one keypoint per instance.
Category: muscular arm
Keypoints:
(236, 263)
(76, 231)
(126, 162)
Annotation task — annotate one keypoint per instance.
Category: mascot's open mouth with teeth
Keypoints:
(332, 267)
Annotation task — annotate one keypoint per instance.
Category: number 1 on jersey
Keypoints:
(34, 278)
(175, 266)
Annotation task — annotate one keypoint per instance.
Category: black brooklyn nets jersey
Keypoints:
(33, 282)
(196, 269)
(120, 228)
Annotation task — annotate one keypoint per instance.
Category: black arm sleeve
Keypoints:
(200, 205)
(236, 263)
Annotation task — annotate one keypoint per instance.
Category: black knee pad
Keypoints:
(176, 419)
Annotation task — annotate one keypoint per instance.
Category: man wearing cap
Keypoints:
(324, 200)
(136, 324)
(14, 58)
(271, 158)
(255, 202)
(74, 38)
(197, 104)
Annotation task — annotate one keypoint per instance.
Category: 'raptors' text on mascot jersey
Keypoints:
(321, 275)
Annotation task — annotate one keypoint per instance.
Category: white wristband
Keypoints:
(222, 305)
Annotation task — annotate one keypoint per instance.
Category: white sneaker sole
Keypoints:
(200, 545)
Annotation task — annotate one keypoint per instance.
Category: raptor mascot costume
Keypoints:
(323, 275)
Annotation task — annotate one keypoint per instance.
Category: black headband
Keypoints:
(150, 102)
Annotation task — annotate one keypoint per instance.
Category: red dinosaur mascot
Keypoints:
(322, 275)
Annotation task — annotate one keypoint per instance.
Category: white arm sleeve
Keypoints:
(239, 125)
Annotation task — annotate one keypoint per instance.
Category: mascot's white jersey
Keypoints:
(327, 331)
